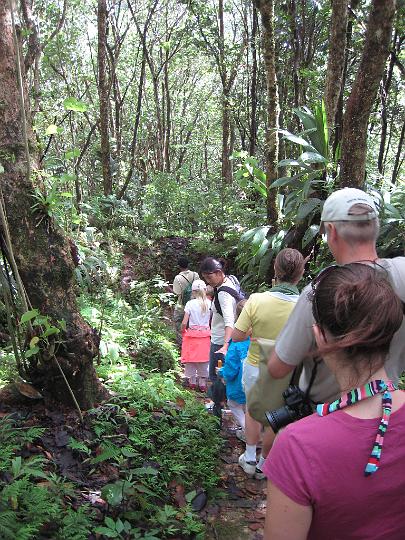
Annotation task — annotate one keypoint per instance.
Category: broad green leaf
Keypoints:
(106, 532)
(119, 526)
(109, 522)
(263, 248)
(66, 194)
(31, 352)
(261, 188)
(73, 104)
(113, 493)
(248, 235)
(294, 138)
(307, 207)
(289, 163)
(190, 495)
(29, 315)
(51, 331)
(259, 174)
(34, 341)
(313, 157)
(51, 130)
(259, 236)
(392, 211)
(310, 234)
(285, 180)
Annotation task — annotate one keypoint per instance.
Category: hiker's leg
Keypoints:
(268, 440)
(238, 412)
(190, 373)
(252, 427)
(213, 361)
(202, 374)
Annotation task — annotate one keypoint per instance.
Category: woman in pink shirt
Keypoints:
(339, 473)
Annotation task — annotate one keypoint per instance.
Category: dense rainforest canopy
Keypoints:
(135, 131)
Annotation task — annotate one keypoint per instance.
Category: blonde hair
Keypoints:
(201, 296)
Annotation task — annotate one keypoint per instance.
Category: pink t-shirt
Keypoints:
(320, 461)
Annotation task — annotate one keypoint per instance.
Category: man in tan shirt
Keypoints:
(181, 282)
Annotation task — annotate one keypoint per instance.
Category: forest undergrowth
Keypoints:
(143, 464)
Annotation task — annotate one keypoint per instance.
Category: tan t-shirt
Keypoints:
(180, 283)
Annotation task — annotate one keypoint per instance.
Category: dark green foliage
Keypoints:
(155, 355)
(28, 506)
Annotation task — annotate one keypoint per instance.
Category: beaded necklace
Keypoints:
(354, 396)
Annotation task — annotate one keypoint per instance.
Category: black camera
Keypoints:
(297, 406)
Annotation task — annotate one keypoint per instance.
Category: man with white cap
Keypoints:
(350, 221)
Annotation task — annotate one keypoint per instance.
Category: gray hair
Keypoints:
(358, 232)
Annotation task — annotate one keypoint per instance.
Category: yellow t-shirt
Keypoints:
(266, 314)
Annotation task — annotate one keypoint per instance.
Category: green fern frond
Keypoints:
(109, 451)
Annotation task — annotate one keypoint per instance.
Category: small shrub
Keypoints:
(157, 354)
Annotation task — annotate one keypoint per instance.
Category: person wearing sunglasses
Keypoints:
(339, 473)
(350, 221)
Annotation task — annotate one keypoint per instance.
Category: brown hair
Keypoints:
(289, 265)
(357, 306)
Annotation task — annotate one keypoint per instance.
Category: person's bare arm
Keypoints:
(285, 519)
(238, 335)
(228, 334)
(277, 368)
(184, 321)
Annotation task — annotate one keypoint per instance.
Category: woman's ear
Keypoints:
(320, 337)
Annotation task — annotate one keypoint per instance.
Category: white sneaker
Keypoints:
(248, 466)
(240, 434)
(259, 474)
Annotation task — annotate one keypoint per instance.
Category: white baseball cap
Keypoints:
(337, 206)
(198, 285)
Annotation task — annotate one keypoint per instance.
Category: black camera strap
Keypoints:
(317, 361)
(297, 372)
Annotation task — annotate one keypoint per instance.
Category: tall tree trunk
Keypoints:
(168, 123)
(364, 90)
(338, 120)
(296, 52)
(226, 169)
(253, 86)
(384, 91)
(398, 161)
(103, 92)
(132, 151)
(41, 251)
(336, 58)
(266, 8)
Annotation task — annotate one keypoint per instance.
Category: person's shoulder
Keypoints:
(396, 263)
(306, 430)
(228, 282)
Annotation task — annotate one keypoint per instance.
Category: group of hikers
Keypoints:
(336, 349)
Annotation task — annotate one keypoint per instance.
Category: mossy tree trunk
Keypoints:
(336, 58)
(41, 250)
(266, 9)
(364, 91)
